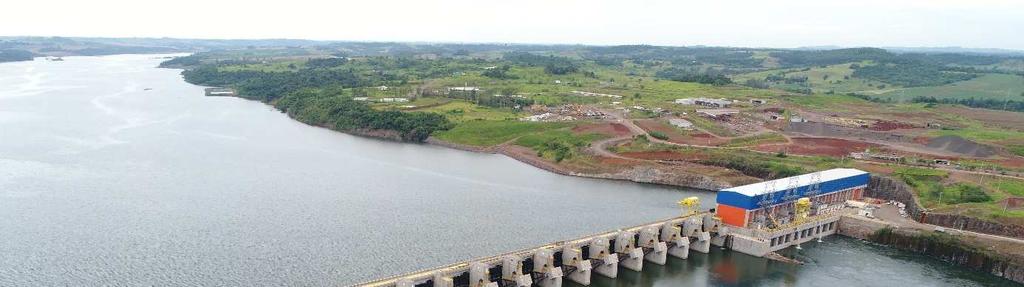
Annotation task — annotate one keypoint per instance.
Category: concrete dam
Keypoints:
(756, 219)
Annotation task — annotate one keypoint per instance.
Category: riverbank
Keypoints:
(639, 173)
(965, 250)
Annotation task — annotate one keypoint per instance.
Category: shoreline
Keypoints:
(705, 184)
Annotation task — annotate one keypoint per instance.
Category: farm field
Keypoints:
(828, 79)
(988, 86)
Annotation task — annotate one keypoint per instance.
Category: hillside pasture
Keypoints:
(988, 86)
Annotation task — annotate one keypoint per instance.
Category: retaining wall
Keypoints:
(893, 189)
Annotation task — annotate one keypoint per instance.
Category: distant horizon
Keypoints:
(726, 23)
(804, 47)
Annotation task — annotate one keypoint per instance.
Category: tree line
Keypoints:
(15, 55)
(688, 75)
(316, 97)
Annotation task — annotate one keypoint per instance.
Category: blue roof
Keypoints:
(748, 196)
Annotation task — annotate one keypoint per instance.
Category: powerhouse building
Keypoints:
(754, 205)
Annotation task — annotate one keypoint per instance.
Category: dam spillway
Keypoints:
(756, 219)
(576, 260)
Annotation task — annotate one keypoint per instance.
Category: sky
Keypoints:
(739, 23)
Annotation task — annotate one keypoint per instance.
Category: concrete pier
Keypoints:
(678, 245)
(604, 262)
(545, 273)
(630, 257)
(655, 251)
(574, 266)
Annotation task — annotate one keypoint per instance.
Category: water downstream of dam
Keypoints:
(114, 172)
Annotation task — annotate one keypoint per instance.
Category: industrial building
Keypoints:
(771, 203)
(769, 216)
(711, 103)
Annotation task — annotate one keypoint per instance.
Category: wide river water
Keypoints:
(117, 173)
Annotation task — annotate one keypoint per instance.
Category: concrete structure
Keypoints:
(718, 113)
(765, 217)
(393, 100)
(706, 102)
(576, 260)
(590, 94)
(761, 242)
(681, 123)
(464, 89)
(220, 92)
(633, 247)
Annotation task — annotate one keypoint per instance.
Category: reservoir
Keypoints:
(115, 172)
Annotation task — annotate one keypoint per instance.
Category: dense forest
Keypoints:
(313, 95)
(1008, 105)
(732, 58)
(552, 64)
(328, 107)
(268, 86)
(688, 75)
(911, 74)
(802, 58)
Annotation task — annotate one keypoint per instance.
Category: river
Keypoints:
(114, 172)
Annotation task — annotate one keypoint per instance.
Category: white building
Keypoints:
(713, 103)
(393, 100)
(464, 89)
(681, 123)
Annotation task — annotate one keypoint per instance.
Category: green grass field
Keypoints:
(489, 133)
(1016, 149)
(979, 131)
(835, 78)
(756, 140)
(557, 145)
(975, 196)
(988, 86)
(461, 111)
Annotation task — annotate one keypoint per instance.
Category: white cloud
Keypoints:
(782, 23)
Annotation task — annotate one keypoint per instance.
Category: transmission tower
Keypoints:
(813, 189)
(766, 203)
(791, 196)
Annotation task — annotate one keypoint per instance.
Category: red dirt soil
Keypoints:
(890, 125)
(1012, 202)
(819, 146)
(658, 155)
(695, 138)
(610, 129)
(1016, 162)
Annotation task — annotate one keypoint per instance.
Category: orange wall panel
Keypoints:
(731, 215)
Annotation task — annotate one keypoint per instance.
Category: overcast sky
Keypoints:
(746, 23)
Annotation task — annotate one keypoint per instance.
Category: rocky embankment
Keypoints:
(979, 252)
(639, 173)
(941, 246)
(654, 174)
(892, 189)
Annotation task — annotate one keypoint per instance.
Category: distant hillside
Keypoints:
(15, 55)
